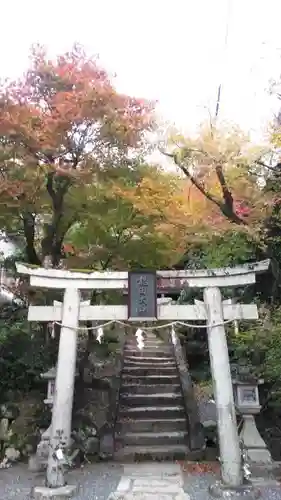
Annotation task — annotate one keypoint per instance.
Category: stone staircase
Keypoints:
(151, 420)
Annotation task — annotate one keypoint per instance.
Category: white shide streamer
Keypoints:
(100, 334)
(173, 335)
(140, 338)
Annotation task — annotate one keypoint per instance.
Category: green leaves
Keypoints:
(230, 249)
(23, 353)
(111, 230)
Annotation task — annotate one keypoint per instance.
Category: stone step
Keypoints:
(152, 370)
(146, 362)
(149, 389)
(161, 453)
(148, 352)
(133, 378)
(154, 438)
(151, 399)
(153, 366)
(151, 471)
(142, 358)
(147, 341)
(151, 425)
(147, 412)
(146, 345)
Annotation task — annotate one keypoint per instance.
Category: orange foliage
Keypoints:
(183, 210)
(61, 112)
(177, 205)
(220, 163)
(61, 125)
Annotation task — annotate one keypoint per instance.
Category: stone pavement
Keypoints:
(100, 481)
(95, 481)
(159, 481)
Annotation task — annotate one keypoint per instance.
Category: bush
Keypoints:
(23, 353)
(260, 347)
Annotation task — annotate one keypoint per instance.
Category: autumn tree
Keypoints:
(63, 126)
(214, 193)
(219, 163)
(271, 230)
(239, 182)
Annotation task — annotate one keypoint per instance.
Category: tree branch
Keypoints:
(57, 195)
(52, 242)
(59, 235)
(227, 196)
(226, 207)
(50, 186)
(29, 234)
(199, 185)
(273, 169)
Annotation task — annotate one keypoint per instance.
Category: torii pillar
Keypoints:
(230, 453)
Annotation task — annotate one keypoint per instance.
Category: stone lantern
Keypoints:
(50, 376)
(39, 461)
(246, 397)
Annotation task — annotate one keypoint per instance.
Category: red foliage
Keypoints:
(200, 467)
(69, 249)
(60, 124)
(241, 209)
(65, 109)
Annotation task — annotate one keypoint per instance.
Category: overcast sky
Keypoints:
(169, 51)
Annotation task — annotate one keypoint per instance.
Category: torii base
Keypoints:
(63, 492)
(245, 491)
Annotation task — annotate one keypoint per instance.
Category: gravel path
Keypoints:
(197, 488)
(97, 481)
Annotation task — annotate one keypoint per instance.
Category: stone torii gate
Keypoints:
(213, 311)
